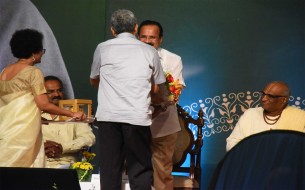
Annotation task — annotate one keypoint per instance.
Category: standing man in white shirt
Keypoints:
(165, 126)
(125, 70)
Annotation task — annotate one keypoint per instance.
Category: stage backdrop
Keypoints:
(230, 51)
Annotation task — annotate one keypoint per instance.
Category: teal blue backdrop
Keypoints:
(230, 50)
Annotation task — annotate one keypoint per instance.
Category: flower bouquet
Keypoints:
(84, 168)
(174, 91)
(174, 87)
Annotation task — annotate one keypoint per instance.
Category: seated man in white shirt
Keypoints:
(63, 141)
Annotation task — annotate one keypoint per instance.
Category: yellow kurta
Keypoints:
(20, 123)
(73, 136)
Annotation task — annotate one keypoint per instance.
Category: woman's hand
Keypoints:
(79, 116)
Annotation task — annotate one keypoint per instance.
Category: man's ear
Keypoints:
(113, 32)
(161, 40)
(135, 30)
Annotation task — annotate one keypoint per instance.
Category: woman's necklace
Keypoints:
(25, 61)
(273, 120)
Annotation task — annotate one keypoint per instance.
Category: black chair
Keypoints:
(269, 160)
(186, 144)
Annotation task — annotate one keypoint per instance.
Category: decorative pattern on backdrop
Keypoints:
(221, 113)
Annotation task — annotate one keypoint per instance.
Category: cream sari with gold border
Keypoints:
(20, 124)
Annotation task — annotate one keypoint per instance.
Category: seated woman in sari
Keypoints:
(22, 98)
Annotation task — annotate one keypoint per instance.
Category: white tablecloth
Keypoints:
(95, 183)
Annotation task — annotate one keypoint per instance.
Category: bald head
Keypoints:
(275, 97)
(278, 88)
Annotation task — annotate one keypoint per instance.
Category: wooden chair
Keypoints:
(186, 144)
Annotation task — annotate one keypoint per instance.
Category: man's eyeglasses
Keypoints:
(270, 96)
(43, 51)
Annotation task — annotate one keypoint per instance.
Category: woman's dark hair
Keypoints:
(26, 42)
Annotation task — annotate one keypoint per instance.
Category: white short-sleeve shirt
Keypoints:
(126, 68)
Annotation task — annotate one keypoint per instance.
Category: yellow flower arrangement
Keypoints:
(82, 165)
(174, 87)
(88, 156)
(84, 168)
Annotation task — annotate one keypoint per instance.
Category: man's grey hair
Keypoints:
(123, 20)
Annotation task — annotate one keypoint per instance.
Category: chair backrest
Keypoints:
(268, 160)
(188, 144)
